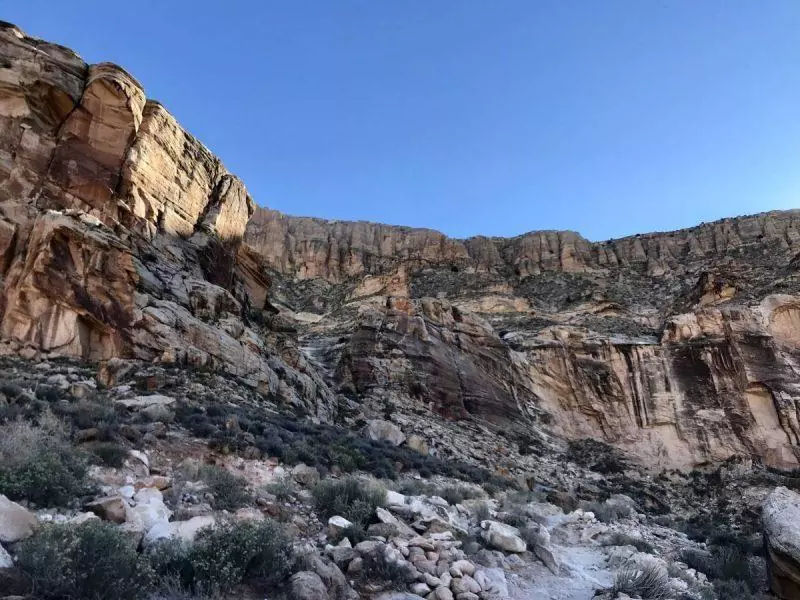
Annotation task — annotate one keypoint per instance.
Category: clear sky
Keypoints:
(496, 117)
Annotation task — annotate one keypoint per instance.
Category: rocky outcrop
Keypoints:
(781, 516)
(121, 234)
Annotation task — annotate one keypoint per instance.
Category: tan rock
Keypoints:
(16, 522)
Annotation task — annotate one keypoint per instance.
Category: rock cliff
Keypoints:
(679, 346)
(122, 236)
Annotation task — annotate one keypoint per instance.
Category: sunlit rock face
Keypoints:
(680, 347)
(121, 234)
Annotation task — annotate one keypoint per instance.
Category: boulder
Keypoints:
(418, 443)
(781, 520)
(384, 516)
(493, 582)
(503, 537)
(109, 508)
(16, 522)
(384, 431)
(6, 562)
(336, 525)
(307, 585)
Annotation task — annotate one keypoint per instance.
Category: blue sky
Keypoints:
(489, 117)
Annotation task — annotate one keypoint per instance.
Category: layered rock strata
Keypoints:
(121, 234)
(679, 346)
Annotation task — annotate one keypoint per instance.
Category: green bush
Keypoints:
(607, 513)
(728, 563)
(93, 560)
(282, 488)
(230, 492)
(37, 464)
(351, 498)
(226, 555)
(110, 454)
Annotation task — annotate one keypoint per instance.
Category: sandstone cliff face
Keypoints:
(121, 235)
(680, 346)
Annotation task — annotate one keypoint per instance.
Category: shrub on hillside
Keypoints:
(230, 492)
(38, 464)
(597, 456)
(728, 563)
(648, 582)
(454, 494)
(92, 560)
(351, 498)
(230, 553)
(294, 440)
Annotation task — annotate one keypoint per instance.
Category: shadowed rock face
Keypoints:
(123, 236)
(679, 346)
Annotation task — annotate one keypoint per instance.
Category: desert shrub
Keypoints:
(283, 488)
(230, 492)
(605, 512)
(92, 560)
(169, 559)
(729, 590)
(620, 539)
(596, 456)
(293, 440)
(39, 465)
(514, 518)
(648, 582)
(393, 575)
(482, 512)
(110, 454)
(727, 563)
(355, 533)
(351, 498)
(223, 556)
(454, 494)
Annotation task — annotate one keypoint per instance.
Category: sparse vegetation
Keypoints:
(621, 539)
(283, 489)
(110, 454)
(452, 493)
(224, 556)
(38, 464)
(648, 582)
(294, 440)
(597, 456)
(352, 498)
(728, 564)
(93, 560)
(230, 492)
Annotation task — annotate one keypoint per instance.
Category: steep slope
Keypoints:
(679, 346)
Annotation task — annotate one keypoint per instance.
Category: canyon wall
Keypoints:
(123, 237)
(681, 347)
